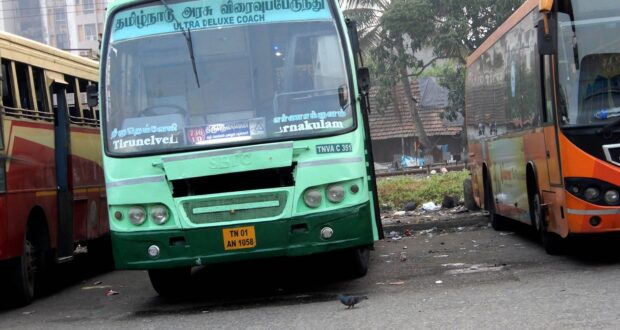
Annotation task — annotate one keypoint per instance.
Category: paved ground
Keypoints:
(458, 277)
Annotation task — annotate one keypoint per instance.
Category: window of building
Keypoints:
(62, 41)
(60, 15)
(88, 6)
(90, 32)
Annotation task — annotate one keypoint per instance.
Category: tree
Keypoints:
(394, 31)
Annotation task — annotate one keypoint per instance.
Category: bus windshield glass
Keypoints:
(589, 62)
(195, 74)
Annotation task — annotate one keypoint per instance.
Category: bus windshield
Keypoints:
(190, 74)
(589, 62)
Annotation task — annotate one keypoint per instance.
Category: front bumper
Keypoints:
(297, 236)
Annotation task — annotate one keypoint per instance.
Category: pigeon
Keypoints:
(350, 301)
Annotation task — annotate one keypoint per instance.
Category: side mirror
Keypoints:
(92, 95)
(546, 38)
(363, 80)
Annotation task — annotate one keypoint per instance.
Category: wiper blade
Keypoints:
(188, 38)
(190, 46)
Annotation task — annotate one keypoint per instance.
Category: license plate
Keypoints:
(239, 238)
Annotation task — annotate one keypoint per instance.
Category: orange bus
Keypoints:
(52, 194)
(543, 119)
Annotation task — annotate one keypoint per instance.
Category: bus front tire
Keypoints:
(553, 243)
(358, 260)
(170, 282)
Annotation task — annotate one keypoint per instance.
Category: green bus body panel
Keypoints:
(273, 212)
(352, 228)
(228, 160)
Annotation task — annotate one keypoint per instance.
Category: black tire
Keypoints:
(22, 274)
(100, 253)
(553, 243)
(357, 261)
(171, 282)
(497, 221)
(468, 195)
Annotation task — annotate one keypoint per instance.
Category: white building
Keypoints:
(25, 18)
(86, 21)
(73, 25)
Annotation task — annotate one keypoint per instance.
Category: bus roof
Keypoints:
(513, 20)
(14, 47)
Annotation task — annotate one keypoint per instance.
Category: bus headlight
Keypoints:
(612, 197)
(159, 214)
(335, 193)
(137, 215)
(312, 198)
(592, 193)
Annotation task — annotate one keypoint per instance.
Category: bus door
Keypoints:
(549, 119)
(62, 147)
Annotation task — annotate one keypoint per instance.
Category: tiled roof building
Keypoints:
(393, 131)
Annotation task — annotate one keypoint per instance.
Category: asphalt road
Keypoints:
(463, 278)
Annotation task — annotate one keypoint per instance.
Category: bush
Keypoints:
(395, 191)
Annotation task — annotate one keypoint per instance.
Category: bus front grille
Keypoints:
(235, 208)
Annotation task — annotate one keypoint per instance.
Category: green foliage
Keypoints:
(394, 31)
(396, 191)
(453, 79)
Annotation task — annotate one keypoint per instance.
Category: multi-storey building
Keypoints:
(73, 25)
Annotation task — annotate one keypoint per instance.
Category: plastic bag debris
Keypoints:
(430, 207)
(111, 293)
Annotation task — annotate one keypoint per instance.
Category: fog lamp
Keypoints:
(327, 233)
(153, 251)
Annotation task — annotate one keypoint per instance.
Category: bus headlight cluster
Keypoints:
(158, 214)
(612, 197)
(313, 197)
(137, 215)
(594, 191)
(335, 193)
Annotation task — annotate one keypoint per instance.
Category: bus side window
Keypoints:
(9, 92)
(88, 113)
(23, 81)
(7, 87)
(38, 77)
(75, 113)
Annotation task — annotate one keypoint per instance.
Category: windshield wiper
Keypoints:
(188, 38)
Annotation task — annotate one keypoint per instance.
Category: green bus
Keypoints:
(234, 131)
